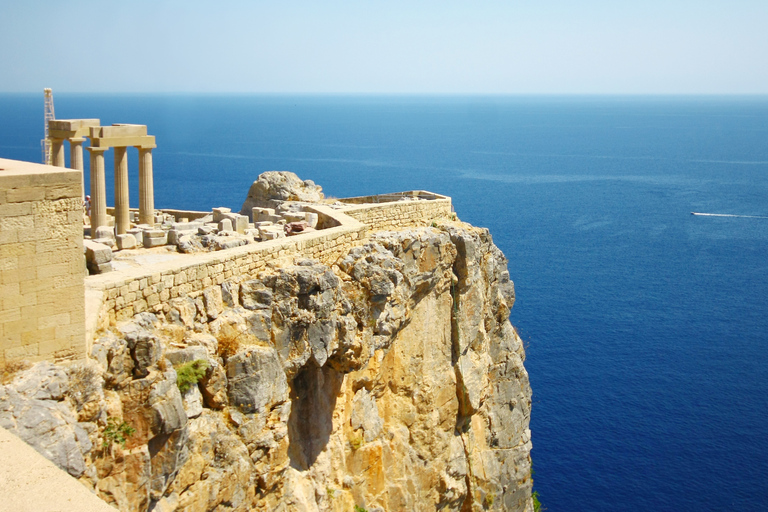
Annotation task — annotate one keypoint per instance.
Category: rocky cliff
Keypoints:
(392, 380)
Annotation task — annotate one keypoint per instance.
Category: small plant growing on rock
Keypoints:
(117, 432)
(358, 508)
(12, 367)
(356, 440)
(536, 503)
(229, 340)
(489, 499)
(189, 374)
(84, 384)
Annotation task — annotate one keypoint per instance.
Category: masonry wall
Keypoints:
(41, 263)
(400, 214)
(132, 291)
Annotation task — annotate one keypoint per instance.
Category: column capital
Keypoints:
(96, 150)
(77, 140)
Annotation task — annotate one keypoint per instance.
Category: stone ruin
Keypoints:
(273, 208)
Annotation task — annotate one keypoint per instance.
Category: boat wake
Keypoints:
(730, 215)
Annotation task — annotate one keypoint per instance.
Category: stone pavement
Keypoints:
(31, 483)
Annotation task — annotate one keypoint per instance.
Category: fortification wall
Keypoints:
(400, 214)
(127, 292)
(132, 291)
(41, 263)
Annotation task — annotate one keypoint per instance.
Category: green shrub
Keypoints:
(536, 502)
(189, 374)
(117, 432)
(358, 508)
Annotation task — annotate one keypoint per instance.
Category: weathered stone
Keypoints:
(312, 219)
(175, 234)
(220, 213)
(230, 294)
(256, 380)
(97, 256)
(263, 215)
(227, 242)
(126, 241)
(166, 403)
(155, 238)
(30, 408)
(212, 301)
(145, 347)
(240, 224)
(193, 402)
(214, 387)
(225, 225)
(207, 341)
(255, 294)
(104, 232)
(181, 356)
(183, 311)
(189, 244)
(274, 187)
(271, 232)
(365, 415)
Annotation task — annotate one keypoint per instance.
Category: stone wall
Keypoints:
(41, 263)
(131, 291)
(400, 214)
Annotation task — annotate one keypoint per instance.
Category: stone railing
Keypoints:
(121, 294)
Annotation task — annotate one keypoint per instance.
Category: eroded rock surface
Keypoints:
(273, 188)
(392, 381)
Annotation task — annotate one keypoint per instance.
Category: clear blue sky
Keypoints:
(393, 46)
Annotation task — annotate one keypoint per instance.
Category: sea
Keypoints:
(646, 327)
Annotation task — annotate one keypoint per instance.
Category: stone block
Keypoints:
(174, 235)
(104, 232)
(219, 213)
(155, 238)
(97, 256)
(271, 232)
(241, 224)
(264, 214)
(126, 241)
(225, 225)
(312, 219)
(294, 216)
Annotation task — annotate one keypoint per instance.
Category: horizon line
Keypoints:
(402, 94)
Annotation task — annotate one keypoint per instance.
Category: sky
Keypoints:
(385, 47)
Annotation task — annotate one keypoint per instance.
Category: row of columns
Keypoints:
(122, 208)
(119, 137)
(75, 156)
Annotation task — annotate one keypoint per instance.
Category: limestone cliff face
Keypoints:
(391, 381)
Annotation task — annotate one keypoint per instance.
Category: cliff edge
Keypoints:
(390, 379)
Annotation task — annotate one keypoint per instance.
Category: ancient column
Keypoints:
(57, 152)
(146, 187)
(98, 190)
(122, 212)
(76, 160)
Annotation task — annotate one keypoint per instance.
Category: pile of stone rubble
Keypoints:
(219, 230)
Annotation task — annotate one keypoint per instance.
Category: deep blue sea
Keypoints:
(646, 326)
